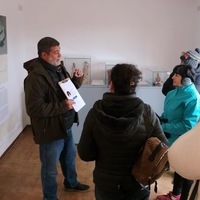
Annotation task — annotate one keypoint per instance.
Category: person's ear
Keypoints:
(44, 55)
(111, 87)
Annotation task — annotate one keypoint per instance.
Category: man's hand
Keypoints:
(69, 103)
(78, 73)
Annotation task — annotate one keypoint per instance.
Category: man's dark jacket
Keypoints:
(47, 113)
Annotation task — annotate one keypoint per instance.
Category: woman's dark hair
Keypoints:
(185, 71)
(45, 44)
(125, 78)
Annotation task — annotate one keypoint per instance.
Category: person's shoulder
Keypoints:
(148, 109)
(196, 95)
(31, 64)
(189, 94)
(96, 104)
(172, 92)
(192, 91)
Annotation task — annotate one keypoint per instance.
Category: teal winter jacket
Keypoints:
(182, 111)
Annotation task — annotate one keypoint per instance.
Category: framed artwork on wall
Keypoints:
(3, 72)
(84, 64)
(3, 39)
(3, 50)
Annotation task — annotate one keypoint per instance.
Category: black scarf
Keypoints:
(56, 74)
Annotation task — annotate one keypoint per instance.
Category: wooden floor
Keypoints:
(20, 174)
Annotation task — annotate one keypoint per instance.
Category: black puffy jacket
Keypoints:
(113, 133)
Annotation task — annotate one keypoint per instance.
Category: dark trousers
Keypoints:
(181, 186)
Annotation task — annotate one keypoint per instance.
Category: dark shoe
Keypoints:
(79, 188)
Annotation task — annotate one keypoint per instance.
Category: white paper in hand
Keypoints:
(72, 93)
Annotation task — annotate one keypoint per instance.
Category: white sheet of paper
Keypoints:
(72, 93)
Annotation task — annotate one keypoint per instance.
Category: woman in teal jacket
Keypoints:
(181, 114)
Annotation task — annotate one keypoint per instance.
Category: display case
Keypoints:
(84, 64)
(156, 77)
(100, 75)
(108, 68)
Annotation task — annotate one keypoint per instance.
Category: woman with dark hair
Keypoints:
(191, 58)
(113, 134)
(181, 114)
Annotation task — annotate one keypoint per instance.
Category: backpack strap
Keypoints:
(149, 128)
(147, 124)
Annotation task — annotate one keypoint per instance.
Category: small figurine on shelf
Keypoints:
(158, 81)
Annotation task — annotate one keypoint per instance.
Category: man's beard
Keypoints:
(55, 63)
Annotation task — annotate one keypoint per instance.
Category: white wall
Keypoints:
(148, 33)
(197, 32)
(10, 128)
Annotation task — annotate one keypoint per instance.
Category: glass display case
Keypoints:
(84, 64)
(100, 74)
(156, 77)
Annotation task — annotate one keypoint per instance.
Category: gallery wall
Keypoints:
(13, 119)
(197, 31)
(147, 33)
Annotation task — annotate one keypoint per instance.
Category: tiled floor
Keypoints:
(20, 174)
